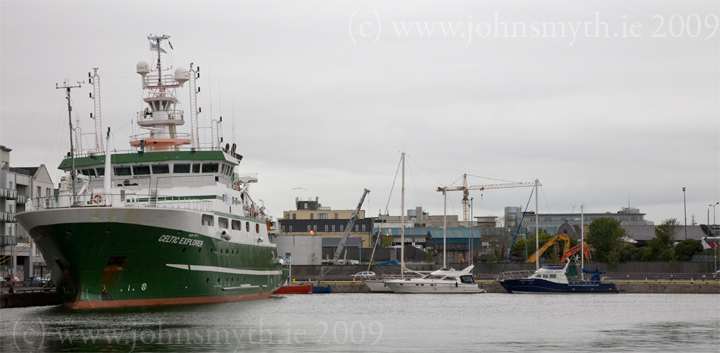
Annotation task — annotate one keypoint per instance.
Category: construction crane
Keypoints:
(341, 246)
(549, 243)
(466, 191)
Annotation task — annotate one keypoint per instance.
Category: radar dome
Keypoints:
(182, 75)
(143, 68)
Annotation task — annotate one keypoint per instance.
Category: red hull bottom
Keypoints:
(164, 301)
(295, 289)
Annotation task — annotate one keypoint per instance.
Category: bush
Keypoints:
(685, 249)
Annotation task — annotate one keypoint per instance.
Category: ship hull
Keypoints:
(532, 285)
(116, 257)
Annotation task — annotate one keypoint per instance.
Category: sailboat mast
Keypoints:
(582, 240)
(537, 230)
(445, 227)
(402, 221)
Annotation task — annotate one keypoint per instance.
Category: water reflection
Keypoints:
(384, 322)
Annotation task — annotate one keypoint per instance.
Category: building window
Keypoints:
(336, 215)
(315, 227)
(363, 227)
(290, 228)
(341, 227)
(312, 215)
(333, 227)
(48, 192)
(322, 216)
(39, 192)
(356, 227)
(287, 216)
(308, 227)
(293, 215)
(326, 227)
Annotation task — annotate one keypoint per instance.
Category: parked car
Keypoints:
(33, 281)
(46, 279)
(12, 280)
(363, 274)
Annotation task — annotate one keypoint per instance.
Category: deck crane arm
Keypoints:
(548, 244)
(343, 241)
(466, 191)
(574, 251)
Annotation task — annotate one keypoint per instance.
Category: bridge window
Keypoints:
(210, 168)
(100, 172)
(160, 169)
(196, 167)
(122, 170)
(183, 168)
(141, 170)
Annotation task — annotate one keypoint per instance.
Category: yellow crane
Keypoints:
(466, 191)
(550, 243)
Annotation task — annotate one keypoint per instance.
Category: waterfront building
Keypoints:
(17, 186)
(569, 222)
(310, 218)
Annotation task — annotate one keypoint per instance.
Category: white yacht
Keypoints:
(442, 281)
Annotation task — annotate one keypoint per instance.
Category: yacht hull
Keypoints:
(533, 285)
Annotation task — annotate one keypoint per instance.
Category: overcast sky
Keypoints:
(608, 104)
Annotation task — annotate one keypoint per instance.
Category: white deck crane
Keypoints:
(466, 191)
(341, 246)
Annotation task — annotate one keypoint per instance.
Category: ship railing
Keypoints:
(516, 274)
(184, 203)
(172, 115)
(121, 200)
(160, 135)
(204, 147)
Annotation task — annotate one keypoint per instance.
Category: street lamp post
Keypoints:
(685, 208)
(712, 231)
(472, 235)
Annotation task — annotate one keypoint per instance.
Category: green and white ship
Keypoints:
(170, 222)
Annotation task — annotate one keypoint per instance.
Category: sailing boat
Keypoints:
(442, 281)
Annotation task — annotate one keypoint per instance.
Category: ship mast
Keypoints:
(95, 82)
(72, 149)
(160, 117)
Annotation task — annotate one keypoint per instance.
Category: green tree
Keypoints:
(605, 235)
(429, 257)
(492, 257)
(520, 247)
(685, 249)
(664, 239)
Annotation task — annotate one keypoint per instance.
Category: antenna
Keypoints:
(67, 88)
(95, 82)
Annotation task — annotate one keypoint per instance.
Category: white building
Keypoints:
(18, 255)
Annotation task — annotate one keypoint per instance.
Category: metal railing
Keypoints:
(124, 200)
(8, 240)
(7, 217)
(10, 194)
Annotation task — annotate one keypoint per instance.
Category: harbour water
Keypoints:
(381, 322)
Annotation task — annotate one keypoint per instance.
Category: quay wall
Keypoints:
(24, 299)
(493, 270)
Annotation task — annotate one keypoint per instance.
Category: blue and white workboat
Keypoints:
(553, 279)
